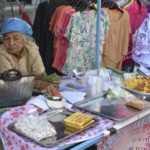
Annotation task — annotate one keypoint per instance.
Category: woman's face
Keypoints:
(14, 42)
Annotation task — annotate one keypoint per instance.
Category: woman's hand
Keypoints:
(56, 83)
(51, 88)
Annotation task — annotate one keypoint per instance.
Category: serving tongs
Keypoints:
(143, 74)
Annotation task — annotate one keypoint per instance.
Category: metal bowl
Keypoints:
(139, 94)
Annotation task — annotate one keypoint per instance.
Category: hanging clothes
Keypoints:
(43, 37)
(58, 27)
(116, 41)
(137, 12)
(110, 4)
(81, 33)
(141, 44)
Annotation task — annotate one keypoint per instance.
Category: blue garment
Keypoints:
(16, 25)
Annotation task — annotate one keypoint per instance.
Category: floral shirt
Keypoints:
(81, 33)
(141, 44)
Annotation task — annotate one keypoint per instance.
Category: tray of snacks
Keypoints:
(118, 110)
(52, 127)
(138, 86)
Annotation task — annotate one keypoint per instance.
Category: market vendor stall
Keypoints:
(99, 133)
(94, 135)
(112, 133)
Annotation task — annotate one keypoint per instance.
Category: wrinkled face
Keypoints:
(14, 42)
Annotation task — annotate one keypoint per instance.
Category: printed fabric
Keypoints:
(81, 33)
(141, 44)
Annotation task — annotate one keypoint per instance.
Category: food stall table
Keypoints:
(116, 135)
(130, 131)
(131, 134)
(13, 141)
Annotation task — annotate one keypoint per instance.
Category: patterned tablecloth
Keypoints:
(12, 141)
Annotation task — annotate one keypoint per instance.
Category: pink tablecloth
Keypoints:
(12, 141)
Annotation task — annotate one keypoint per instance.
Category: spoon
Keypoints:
(142, 74)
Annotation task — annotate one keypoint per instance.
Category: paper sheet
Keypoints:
(39, 101)
(73, 97)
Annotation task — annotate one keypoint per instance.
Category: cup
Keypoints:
(94, 85)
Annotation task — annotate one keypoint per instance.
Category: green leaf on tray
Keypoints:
(52, 77)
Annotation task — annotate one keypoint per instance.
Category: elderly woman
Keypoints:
(18, 52)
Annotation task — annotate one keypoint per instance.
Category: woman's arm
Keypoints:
(51, 88)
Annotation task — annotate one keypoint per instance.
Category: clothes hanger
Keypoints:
(81, 5)
(85, 5)
(60, 2)
(76, 2)
(111, 5)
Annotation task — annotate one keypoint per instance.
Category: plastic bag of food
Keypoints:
(137, 103)
(116, 92)
(35, 127)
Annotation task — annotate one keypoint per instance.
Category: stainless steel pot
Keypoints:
(15, 89)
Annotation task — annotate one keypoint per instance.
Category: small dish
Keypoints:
(55, 102)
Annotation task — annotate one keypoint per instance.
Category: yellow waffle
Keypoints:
(74, 129)
(78, 120)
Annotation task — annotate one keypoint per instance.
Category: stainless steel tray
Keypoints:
(55, 117)
(117, 111)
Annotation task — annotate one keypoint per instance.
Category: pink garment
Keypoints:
(61, 44)
(60, 18)
(54, 17)
(137, 13)
(65, 44)
(54, 26)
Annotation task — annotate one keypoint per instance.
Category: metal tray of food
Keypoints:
(139, 94)
(117, 110)
(56, 118)
(140, 87)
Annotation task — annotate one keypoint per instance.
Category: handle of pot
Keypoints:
(11, 75)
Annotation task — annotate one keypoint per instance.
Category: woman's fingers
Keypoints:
(56, 83)
(51, 90)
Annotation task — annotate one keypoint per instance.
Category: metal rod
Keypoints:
(98, 33)
(12, 10)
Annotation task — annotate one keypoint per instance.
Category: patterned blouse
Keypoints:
(81, 33)
(141, 44)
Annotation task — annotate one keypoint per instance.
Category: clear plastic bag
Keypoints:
(35, 127)
(138, 103)
(116, 92)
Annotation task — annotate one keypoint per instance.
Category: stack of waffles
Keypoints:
(78, 121)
